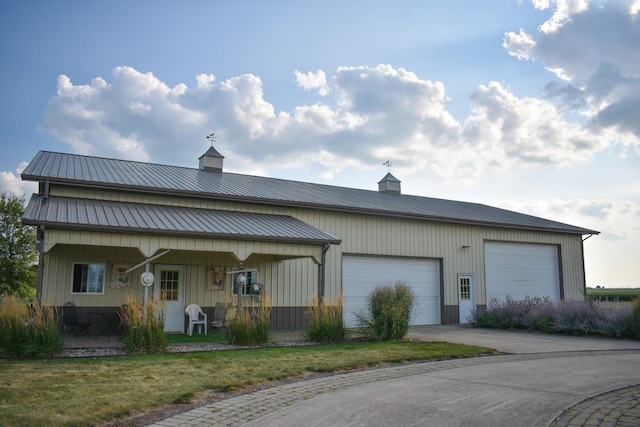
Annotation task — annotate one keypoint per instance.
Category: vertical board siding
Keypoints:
(293, 282)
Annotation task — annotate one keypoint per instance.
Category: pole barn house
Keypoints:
(102, 222)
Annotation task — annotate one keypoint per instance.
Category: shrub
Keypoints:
(143, 335)
(388, 312)
(509, 313)
(568, 317)
(251, 325)
(635, 318)
(28, 332)
(325, 321)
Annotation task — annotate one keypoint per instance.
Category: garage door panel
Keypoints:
(362, 274)
(520, 270)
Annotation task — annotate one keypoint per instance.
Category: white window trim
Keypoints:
(104, 277)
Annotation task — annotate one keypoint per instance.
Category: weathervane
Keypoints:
(387, 164)
(212, 137)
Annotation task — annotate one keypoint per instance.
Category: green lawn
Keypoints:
(184, 338)
(79, 392)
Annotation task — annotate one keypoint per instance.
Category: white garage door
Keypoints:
(520, 270)
(360, 275)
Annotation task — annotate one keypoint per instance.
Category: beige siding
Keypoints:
(293, 282)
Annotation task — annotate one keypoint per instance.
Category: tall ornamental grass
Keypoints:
(250, 325)
(325, 321)
(28, 332)
(388, 312)
(620, 320)
(143, 335)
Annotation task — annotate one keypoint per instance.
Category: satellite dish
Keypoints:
(147, 278)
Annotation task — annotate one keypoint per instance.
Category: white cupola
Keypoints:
(211, 161)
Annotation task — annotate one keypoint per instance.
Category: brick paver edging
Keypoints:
(246, 407)
(615, 408)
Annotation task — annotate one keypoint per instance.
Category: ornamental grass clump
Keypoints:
(143, 334)
(250, 325)
(28, 332)
(388, 312)
(325, 321)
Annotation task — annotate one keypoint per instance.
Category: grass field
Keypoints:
(80, 392)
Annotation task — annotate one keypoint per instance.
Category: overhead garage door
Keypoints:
(520, 270)
(361, 274)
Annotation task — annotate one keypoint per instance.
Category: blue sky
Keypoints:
(532, 106)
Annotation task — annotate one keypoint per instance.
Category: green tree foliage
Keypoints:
(18, 255)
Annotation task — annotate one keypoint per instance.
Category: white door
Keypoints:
(361, 275)
(466, 299)
(520, 270)
(169, 290)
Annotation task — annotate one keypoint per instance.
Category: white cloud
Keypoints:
(593, 47)
(519, 44)
(311, 80)
(524, 130)
(613, 218)
(11, 183)
(380, 113)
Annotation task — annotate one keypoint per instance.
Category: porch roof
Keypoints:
(101, 215)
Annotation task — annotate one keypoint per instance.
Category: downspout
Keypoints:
(40, 272)
(40, 246)
(584, 273)
(321, 273)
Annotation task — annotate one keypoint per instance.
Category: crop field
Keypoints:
(613, 294)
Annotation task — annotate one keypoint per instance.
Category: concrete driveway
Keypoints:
(546, 379)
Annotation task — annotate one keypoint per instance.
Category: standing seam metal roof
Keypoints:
(96, 215)
(156, 178)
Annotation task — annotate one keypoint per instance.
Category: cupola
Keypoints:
(211, 161)
(389, 184)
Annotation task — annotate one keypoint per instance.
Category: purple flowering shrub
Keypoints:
(567, 317)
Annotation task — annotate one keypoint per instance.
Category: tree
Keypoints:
(18, 255)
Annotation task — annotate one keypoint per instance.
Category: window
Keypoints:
(465, 288)
(248, 288)
(88, 278)
(169, 283)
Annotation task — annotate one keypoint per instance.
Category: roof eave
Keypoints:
(158, 232)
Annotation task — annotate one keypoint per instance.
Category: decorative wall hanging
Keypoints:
(215, 277)
(119, 277)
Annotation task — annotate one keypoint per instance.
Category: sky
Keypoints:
(530, 105)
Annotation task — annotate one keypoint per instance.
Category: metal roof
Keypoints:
(190, 182)
(100, 215)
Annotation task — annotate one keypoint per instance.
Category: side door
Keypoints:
(169, 290)
(466, 300)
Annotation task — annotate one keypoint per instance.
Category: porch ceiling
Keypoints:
(149, 245)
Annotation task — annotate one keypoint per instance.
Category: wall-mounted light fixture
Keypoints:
(465, 246)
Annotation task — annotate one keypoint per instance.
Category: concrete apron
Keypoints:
(518, 342)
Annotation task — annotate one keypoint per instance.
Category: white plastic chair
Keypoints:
(194, 312)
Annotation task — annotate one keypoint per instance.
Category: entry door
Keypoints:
(169, 289)
(466, 301)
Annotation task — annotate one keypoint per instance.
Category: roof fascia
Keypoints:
(222, 236)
